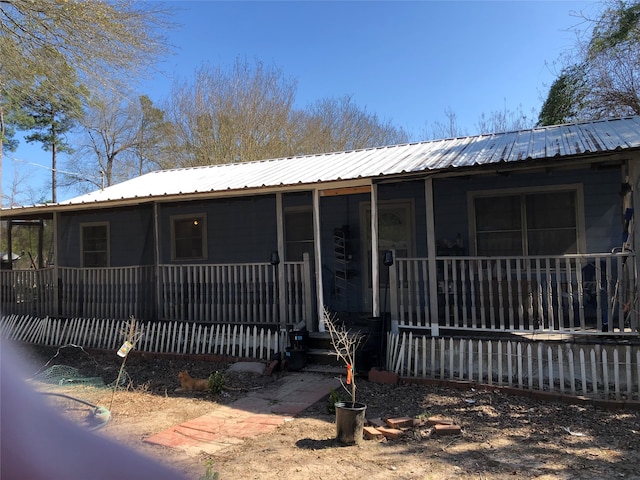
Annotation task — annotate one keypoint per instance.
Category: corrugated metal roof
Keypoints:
(537, 143)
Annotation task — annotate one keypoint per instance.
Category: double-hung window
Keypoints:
(527, 222)
(94, 240)
(188, 237)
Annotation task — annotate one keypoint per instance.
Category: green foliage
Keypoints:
(618, 24)
(334, 397)
(49, 44)
(216, 382)
(25, 243)
(423, 415)
(152, 132)
(209, 474)
(566, 97)
(601, 78)
(49, 111)
(100, 40)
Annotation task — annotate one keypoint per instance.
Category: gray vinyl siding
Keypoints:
(602, 202)
(244, 229)
(130, 232)
(239, 230)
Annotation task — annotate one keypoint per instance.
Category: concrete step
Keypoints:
(325, 369)
(321, 356)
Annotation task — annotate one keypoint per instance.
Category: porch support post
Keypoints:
(431, 260)
(392, 290)
(375, 274)
(318, 259)
(308, 301)
(41, 244)
(282, 292)
(56, 273)
(156, 244)
(634, 180)
(10, 243)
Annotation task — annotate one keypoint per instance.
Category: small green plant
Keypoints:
(423, 416)
(216, 382)
(334, 397)
(209, 474)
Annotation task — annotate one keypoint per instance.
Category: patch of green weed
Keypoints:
(216, 382)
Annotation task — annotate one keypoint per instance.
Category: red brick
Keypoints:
(447, 429)
(391, 433)
(439, 421)
(272, 367)
(402, 422)
(383, 376)
(371, 433)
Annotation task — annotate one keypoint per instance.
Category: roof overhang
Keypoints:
(600, 159)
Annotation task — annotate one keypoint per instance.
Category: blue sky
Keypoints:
(407, 62)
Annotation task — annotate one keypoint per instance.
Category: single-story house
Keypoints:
(523, 231)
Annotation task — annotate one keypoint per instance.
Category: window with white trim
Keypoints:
(188, 237)
(94, 241)
(527, 223)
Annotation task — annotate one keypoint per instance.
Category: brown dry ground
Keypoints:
(502, 436)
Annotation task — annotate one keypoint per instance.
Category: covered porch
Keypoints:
(265, 294)
(594, 294)
(587, 294)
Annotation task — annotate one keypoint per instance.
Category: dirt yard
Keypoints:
(502, 436)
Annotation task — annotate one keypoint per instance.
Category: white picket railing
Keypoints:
(235, 293)
(110, 292)
(247, 293)
(27, 292)
(242, 341)
(607, 371)
(590, 294)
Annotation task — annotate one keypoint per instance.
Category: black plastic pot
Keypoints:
(350, 422)
(298, 339)
(296, 359)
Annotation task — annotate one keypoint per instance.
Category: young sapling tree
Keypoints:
(345, 344)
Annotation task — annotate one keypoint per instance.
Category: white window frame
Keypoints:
(577, 188)
(83, 247)
(201, 217)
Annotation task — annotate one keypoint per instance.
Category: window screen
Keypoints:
(188, 237)
(298, 227)
(541, 223)
(95, 245)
